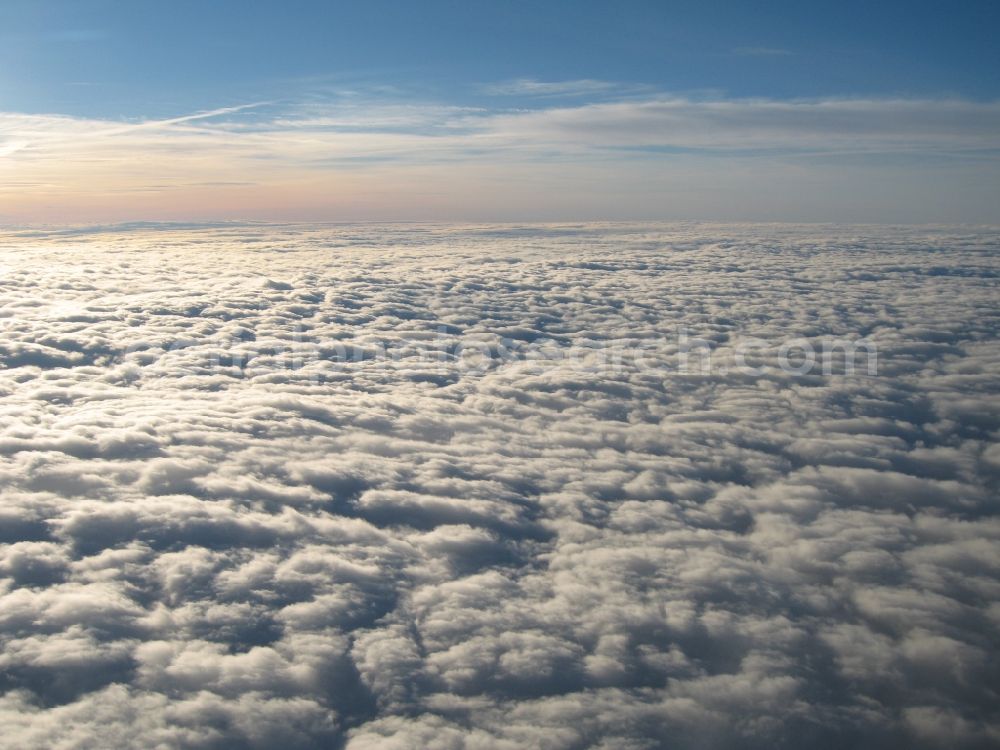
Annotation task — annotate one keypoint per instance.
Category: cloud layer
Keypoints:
(216, 535)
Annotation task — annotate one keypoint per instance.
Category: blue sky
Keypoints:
(144, 58)
(443, 68)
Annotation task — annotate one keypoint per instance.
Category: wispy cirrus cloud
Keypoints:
(300, 134)
(296, 147)
(534, 88)
(11, 147)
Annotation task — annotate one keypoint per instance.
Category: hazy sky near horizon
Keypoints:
(113, 111)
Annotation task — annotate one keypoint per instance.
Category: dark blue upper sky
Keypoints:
(132, 58)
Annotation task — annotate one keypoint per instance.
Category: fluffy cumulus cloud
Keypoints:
(499, 487)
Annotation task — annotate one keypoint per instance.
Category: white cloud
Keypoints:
(219, 530)
(364, 156)
(531, 87)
